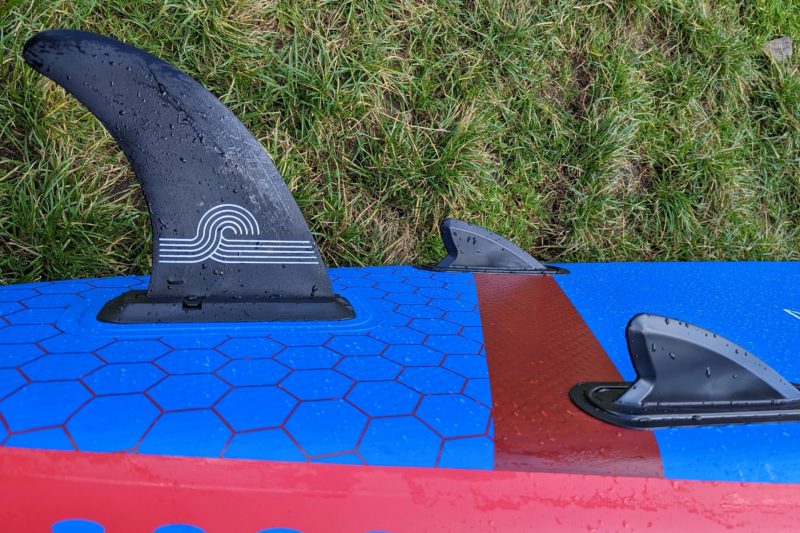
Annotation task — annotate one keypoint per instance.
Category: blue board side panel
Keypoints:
(405, 383)
(749, 303)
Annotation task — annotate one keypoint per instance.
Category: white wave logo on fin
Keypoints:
(222, 236)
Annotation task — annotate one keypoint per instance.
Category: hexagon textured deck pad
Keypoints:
(404, 383)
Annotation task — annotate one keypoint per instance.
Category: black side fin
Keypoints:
(226, 229)
(472, 248)
(689, 376)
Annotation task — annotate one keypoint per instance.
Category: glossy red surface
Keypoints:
(538, 347)
(138, 493)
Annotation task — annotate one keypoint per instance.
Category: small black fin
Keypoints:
(471, 248)
(225, 226)
(689, 376)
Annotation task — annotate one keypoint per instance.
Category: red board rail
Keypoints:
(139, 493)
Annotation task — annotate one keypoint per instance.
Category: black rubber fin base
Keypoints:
(547, 270)
(472, 248)
(135, 307)
(598, 400)
(688, 376)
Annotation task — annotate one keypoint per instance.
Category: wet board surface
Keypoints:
(405, 383)
(753, 304)
(192, 427)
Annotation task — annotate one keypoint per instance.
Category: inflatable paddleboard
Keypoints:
(244, 386)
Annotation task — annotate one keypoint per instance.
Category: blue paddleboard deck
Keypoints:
(404, 383)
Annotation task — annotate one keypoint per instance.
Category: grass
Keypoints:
(585, 131)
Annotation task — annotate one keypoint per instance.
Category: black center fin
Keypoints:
(689, 376)
(229, 242)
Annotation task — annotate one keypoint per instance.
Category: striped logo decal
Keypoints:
(222, 235)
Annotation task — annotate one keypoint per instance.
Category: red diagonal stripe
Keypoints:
(538, 347)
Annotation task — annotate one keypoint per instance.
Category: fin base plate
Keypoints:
(599, 400)
(135, 307)
(548, 270)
